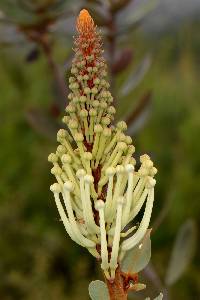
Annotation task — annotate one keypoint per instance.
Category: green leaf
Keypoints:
(182, 252)
(137, 258)
(98, 290)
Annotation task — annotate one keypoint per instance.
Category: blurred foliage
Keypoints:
(38, 261)
(182, 253)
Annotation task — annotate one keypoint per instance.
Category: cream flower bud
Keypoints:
(87, 90)
(78, 137)
(69, 186)
(61, 134)
(55, 188)
(122, 125)
(70, 108)
(56, 170)
(88, 156)
(53, 158)
(151, 182)
(61, 149)
(98, 128)
(129, 168)
(65, 119)
(88, 179)
(66, 158)
(73, 124)
(84, 113)
(80, 173)
(82, 99)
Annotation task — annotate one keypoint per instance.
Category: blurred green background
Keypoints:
(37, 259)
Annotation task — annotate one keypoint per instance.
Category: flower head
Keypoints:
(85, 23)
(98, 190)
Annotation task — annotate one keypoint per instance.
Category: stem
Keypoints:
(140, 108)
(117, 289)
(39, 35)
(112, 49)
(57, 74)
(152, 275)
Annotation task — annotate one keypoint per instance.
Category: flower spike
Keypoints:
(98, 190)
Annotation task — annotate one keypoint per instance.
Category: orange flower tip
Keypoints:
(84, 22)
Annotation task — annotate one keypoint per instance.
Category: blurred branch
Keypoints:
(57, 74)
(140, 115)
(111, 40)
(42, 123)
(39, 35)
(122, 60)
(143, 103)
(117, 5)
(152, 275)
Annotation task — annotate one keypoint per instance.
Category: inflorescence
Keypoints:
(98, 190)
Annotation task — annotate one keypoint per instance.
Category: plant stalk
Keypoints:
(57, 75)
(117, 289)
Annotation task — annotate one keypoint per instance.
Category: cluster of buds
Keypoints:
(98, 191)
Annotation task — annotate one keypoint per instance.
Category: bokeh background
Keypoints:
(153, 53)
